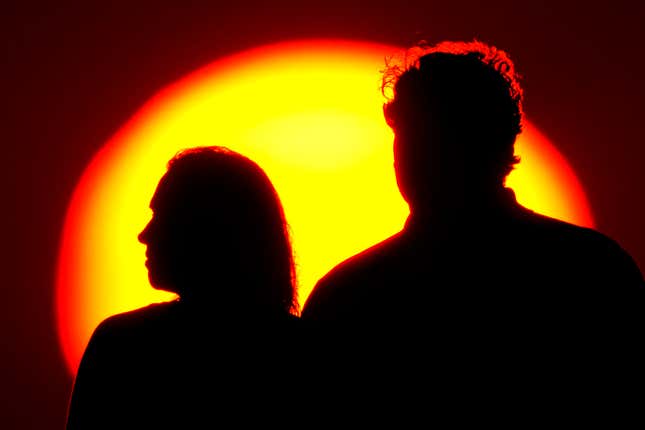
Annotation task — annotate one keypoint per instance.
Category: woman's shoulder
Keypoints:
(141, 317)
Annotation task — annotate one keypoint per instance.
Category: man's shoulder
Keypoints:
(588, 239)
(599, 252)
(362, 263)
(348, 280)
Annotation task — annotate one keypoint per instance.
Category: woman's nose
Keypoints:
(144, 235)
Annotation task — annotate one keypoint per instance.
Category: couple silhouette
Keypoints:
(471, 271)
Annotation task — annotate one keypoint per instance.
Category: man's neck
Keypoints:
(478, 208)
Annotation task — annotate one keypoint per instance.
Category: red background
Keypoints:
(71, 75)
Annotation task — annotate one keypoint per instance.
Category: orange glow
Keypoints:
(309, 113)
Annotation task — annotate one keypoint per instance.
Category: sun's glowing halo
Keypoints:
(309, 113)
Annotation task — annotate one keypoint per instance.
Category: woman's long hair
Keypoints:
(237, 215)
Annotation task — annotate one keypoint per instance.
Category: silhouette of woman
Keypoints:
(218, 238)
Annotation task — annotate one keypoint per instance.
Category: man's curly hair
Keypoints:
(470, 88)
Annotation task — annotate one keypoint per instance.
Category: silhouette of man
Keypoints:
(470, 260)
(217, 238)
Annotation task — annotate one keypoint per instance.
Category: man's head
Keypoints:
(455, 112)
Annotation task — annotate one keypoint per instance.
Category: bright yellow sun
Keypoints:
(310, 114)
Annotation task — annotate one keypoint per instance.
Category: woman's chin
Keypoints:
(161, 284)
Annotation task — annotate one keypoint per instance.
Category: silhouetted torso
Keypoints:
(505, 299)
(172, 364)
(505, 269)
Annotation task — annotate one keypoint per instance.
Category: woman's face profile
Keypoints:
(185, 241)
(159, 243)
(172, 240)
